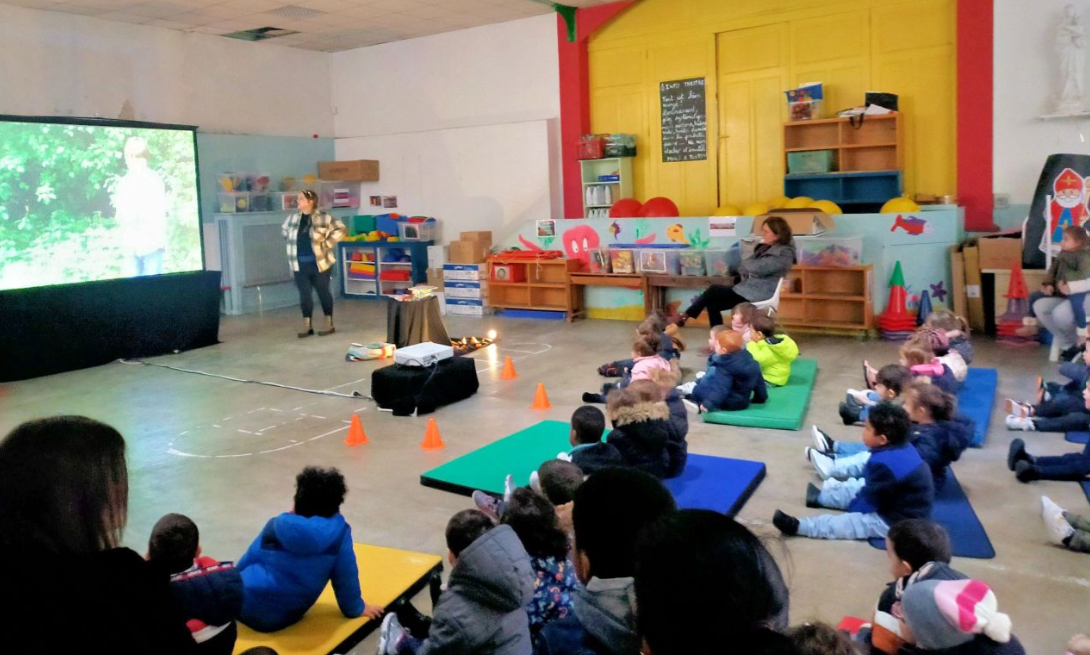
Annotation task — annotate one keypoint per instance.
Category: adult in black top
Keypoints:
(312, 237)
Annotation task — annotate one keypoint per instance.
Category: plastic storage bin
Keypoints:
(692, 262)
(659, 261)
(623, 260)
(416, 231)
(812, 161)
(258, 182)
(234, 203)
(262, 202)
(338, 194)
(829, 251)
(716, 262)
(231, 182)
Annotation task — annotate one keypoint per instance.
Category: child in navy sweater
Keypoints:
(733, 382)
(896, 484)
(677, 448)
(1058, 407)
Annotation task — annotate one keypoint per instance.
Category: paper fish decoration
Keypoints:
(911, 225)
(676, 233)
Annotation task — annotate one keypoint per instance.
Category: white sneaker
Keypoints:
(1055, 524)
(700, 374)
(686, 389)
(859, 396)
(1015, 408)
(389, 634)
(508, 488)
(823, 464)
(1020, 423)
(822, 442)
(535, 483)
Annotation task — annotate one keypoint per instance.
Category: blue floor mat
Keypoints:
(976, 399)
(716, 483)
(953, 511)
(1078, 437)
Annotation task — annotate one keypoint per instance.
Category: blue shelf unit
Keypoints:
(852, 189)
(376, 288)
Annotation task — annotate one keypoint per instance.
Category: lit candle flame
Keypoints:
(492, 334)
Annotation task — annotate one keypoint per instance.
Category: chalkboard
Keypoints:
(684, 120)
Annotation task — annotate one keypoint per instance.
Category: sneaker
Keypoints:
(849, 413)
(609, 371)
(859, 396)
(509, 487)
(1069, 354)
(1017, 453)
(487, 503)
(700, 374)
(390, 634)
(686, 389)
(690, 405)
(1059, 530)
(1025, 472)
(823, 464)
(812, 493)
(589, 397)
(823, 443)
(1019, 409)
(1020, 423)
(785, 523)
(535, 483)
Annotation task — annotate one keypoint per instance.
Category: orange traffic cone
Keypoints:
(508, 370)
(432, 440)
(356, 435)
(541, 399)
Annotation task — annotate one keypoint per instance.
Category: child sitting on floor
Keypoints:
(918, 356)
(298, 553)
(918, 550)
(1065, 529)
(589, 452)
(208, 592)
(1059, 408)
(677, 448)
(1072, 466)
(896, 484)
(773, 352)
(820, 639)
(741, 319)
(645, 358)
(686, 389)
(940, 345)
(641, 427)
(957, 331)
(956, 616)
(889, 382)
(733, 382)
(671, 344)
(558, 481)
(939, 434)
(534, 520)
(483, 609)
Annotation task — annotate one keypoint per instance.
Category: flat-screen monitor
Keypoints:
(84, 200)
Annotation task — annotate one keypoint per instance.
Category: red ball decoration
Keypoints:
(659, 208)
(625, 208)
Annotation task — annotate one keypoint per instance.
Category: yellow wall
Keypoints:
(750, 51)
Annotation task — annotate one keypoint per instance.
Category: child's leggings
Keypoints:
(1080, 541)
(1072, 466)
(1078, 308)
(1074, 422)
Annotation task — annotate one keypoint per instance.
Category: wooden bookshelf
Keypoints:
(876, 145)
(544, 285)
(828, 298)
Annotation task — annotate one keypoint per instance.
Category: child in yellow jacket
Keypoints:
(774, 352)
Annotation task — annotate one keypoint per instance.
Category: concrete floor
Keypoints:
(194, 448)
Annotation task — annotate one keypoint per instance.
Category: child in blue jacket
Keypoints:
(735, 380)
(297, 553)
(896, 484)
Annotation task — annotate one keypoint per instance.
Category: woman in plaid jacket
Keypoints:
(312, 236)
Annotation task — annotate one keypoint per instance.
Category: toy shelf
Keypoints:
(618, 189)
(542, 284)
(828, 297)
(372, 253)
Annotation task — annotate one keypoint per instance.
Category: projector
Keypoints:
(423, 354)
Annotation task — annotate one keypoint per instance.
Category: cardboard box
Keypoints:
(358, 170)
(958, 299)
(467, 307)
(801, 221)
(437, 256)
(1000, 251)
(477, 290)
(480, 235)
(469, 252)
(973, 293)
(464, 272)
(435, 277)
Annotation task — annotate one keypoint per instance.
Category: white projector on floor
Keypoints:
(423, 354)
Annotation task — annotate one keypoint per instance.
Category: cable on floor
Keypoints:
(320, 392)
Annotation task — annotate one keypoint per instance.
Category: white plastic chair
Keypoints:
(772, 305)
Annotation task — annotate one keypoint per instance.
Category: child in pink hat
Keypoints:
(957, 617)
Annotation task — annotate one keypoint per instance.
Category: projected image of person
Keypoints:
(312, 237)
(140, 203)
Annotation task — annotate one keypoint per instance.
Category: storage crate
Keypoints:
(338, 194)
(258, 182)
(811, 161)
(692, 262)
(591, 146)
(231, 182)
(465, 271)
(234, 203)
(622, 260)
(424, 231)
(659, 261)
(717, 262)
(829, 251)
(262, 202)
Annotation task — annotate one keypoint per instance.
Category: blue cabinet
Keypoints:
(378, 257)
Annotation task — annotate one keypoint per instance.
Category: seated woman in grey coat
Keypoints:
(759, 273)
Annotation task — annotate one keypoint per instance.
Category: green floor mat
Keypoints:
(485, 468)
(786, 406)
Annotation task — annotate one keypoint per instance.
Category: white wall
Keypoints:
(465, 124)
(1026, 80)
(53, 63)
